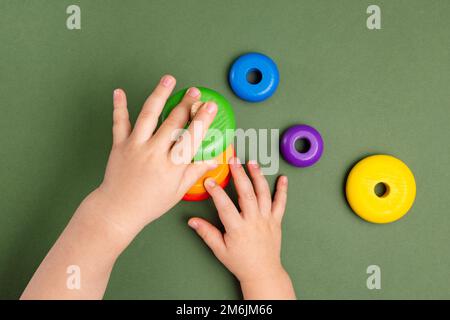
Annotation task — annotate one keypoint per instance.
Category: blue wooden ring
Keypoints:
(264, 67)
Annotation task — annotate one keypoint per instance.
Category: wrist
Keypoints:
(275, 284)
(262, 273)
(97, 217)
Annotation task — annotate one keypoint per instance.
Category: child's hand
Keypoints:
(141, 181)
(250, 247)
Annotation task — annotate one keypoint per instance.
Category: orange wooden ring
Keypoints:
(219, 174)
(204, 196)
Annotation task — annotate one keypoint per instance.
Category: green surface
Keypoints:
(224, 124)
(384, 91)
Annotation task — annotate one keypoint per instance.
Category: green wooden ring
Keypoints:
(215, 142)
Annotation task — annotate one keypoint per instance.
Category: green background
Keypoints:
(384, 91)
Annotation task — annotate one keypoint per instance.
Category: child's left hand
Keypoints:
(250, 247)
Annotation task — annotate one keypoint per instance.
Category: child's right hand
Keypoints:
(142, 179)
(142, 182)
(250, 247)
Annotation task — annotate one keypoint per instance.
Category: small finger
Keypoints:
(228, 213)
(121, 121)
(244, 188)
(210, 235)
(192, 138)
(261, 186)
(177, 118)
(148, 117)
(280, 198)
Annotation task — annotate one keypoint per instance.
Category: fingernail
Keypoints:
(235, 162)
(193, 92)
(193, 224)
(210, 182)
(211, 107)
(253, 163)
(167, 80)
(116, 93)
(194, 109)
(284, 180)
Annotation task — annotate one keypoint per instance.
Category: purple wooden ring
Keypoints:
(292, 155)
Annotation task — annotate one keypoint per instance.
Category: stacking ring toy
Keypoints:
(267, 77)
(290, 152)
(399, 184)
(221, 131)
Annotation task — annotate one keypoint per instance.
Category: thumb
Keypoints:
(210, 235)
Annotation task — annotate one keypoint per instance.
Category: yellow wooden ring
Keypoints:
(399, 183)
(219, 174)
